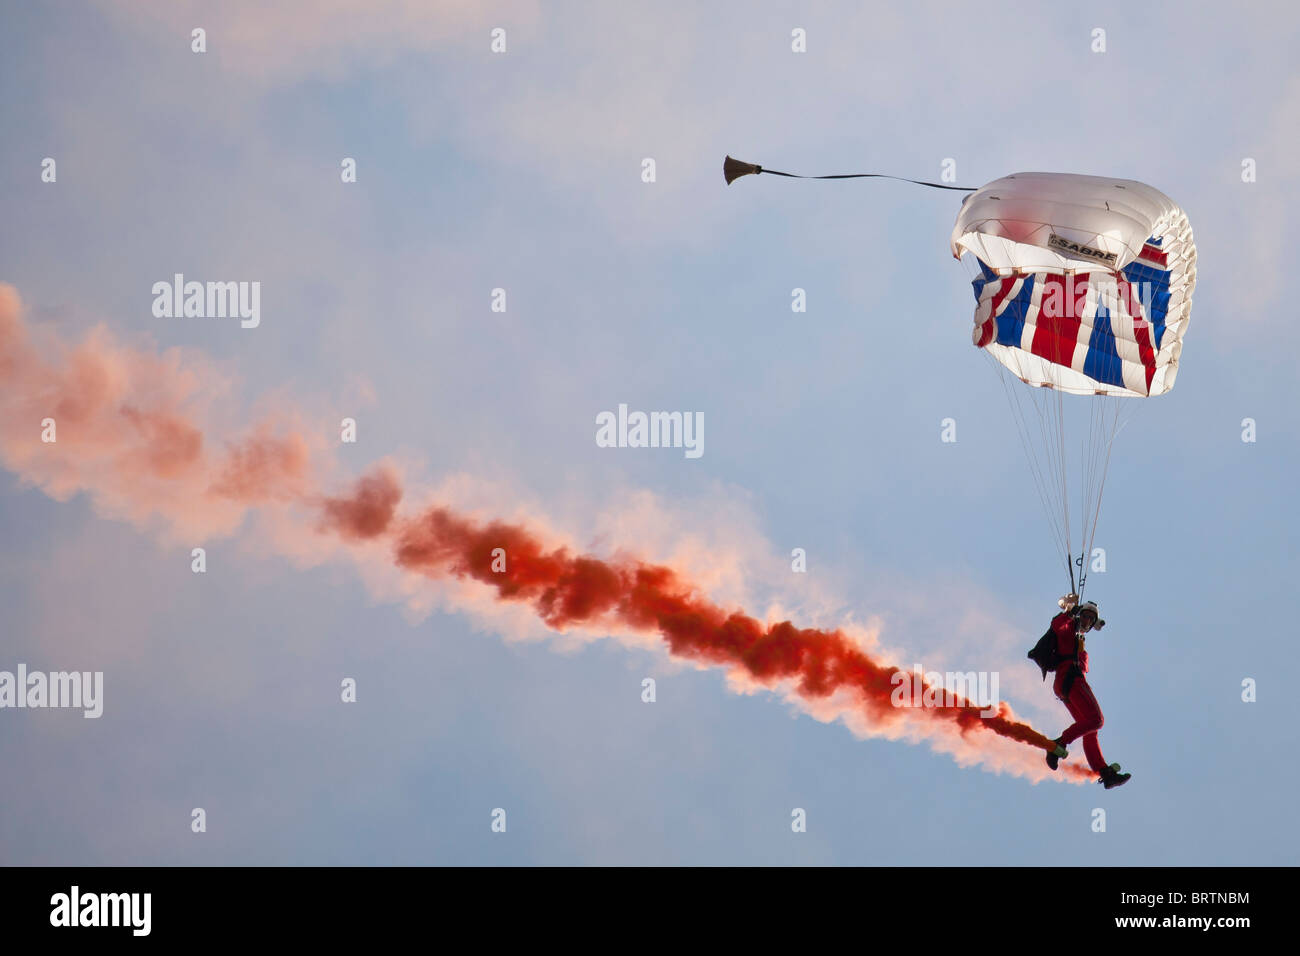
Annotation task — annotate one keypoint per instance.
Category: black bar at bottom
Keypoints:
(923, 905)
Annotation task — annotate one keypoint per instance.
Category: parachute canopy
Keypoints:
(1085, 283)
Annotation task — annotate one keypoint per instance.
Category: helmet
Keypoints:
(1090, 607)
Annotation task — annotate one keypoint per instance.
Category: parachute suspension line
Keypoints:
(1088, 460)
(1043, 484)
(1064, 466)
(1049, 404)
(1044, 467)
(1048, 451)
(1108, 435)
(1044, 404)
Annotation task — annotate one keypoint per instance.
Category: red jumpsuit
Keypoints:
(1080, 702)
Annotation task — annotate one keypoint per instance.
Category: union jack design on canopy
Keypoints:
(1043, 307)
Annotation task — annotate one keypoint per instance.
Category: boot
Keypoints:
(1111, 777)
(1055, 756)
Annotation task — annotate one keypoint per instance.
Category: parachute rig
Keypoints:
(1083, 292)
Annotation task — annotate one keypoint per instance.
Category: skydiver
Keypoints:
(1071, 688)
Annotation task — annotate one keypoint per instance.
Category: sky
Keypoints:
(522, 170)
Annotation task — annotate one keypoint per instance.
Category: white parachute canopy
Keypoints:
(1086, 282)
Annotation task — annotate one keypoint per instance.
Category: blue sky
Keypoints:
(522, 171)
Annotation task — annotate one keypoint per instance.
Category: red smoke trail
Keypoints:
(127, 428)
(131, 434)
(565, 589)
